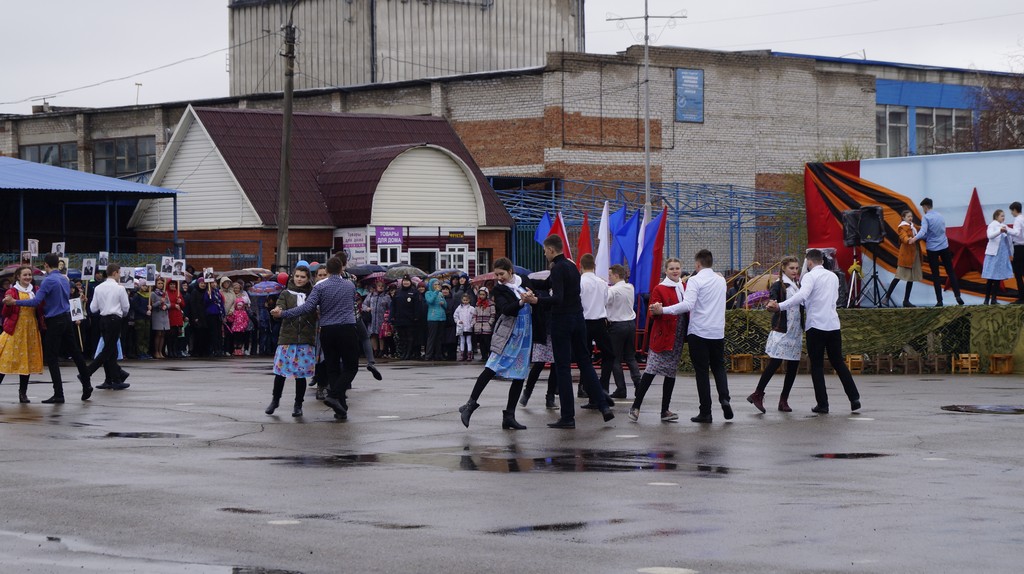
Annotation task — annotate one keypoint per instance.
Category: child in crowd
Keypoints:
(464, 318)
(483, 323)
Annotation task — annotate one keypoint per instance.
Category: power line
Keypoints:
(136, 74)
(754, 16)
(883, 31)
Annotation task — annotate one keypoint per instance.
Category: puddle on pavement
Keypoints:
(986, 409)
(555, 527)
(236, 510)
(144, 435)
(851, 455)
(510, 459)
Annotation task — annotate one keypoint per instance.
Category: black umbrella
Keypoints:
(364, 270)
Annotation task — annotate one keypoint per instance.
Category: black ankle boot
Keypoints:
(508, 421)
(23, 397)
(297, 409)
(273, 406)
(467, 411)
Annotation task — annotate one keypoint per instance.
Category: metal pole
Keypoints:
(284, 190)
(21, 219)
(647, 116)
(106, 221)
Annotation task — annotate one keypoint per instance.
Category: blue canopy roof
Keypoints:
(20, 175)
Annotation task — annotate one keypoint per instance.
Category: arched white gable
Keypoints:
(428, 186)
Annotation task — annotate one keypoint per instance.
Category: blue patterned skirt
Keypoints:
(513, 362)
(295, 361)
(997, 267)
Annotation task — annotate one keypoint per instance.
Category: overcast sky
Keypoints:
(54, 47)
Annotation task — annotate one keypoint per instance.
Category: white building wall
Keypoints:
(212, 198)
(427, 186)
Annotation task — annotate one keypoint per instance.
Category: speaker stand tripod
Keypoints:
(874, 284)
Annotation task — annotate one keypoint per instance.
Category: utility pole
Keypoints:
(647, 99)
(284, 187)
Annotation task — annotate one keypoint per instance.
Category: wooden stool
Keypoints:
(762, 362)
(743, 363)
(965, 362)
(1000, 364)
(855, 363)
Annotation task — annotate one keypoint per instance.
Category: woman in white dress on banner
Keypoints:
(785, 341)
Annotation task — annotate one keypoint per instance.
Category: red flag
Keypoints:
(583, 246)
(558, 228)
(658, 252)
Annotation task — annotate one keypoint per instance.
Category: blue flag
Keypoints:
(645, 263)
(615, 223)
(626, 240)
(543, 229)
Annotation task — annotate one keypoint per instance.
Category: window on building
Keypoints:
(454, 257)
(388, 255)
(891, 131)
(58, 154)
(483, 261)
(124, 156)
(942, 130)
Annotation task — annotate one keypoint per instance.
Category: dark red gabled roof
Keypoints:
(250, 142)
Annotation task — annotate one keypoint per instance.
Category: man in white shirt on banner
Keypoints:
(704, 299)
(110, 302)
(594, 295)
(1017, 236)
(819, 290)
(621, 330)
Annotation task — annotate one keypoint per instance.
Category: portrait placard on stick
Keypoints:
(178, 270)
(33, 247)
(151, 273)
(102, 260)
(58, 248)
(77, 313)
(166, 266)
(88, 269)
(208, 274)
(128, 277)
(26, 258)
(62, 265)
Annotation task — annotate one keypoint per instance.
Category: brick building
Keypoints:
(387, 189)
(737, 118)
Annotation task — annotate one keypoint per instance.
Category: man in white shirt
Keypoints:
(621, 330)
(110, 302)
(1017, 236)
(819, 290)
(594, 295)
(704, 299)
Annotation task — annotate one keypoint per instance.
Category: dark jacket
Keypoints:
(564, 281)
(299, 330)
(404, 306)
(779, 320)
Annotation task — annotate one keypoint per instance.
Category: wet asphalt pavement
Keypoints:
(184, 472)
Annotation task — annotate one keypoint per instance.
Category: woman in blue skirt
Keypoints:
(296, 349)
(997, 266)
(510, 343)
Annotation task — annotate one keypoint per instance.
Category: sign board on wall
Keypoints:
(388, 235)
(689, 95)
(353, 243)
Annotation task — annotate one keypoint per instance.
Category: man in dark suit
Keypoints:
(569, 335)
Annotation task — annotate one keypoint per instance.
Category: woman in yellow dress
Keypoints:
(21, 349)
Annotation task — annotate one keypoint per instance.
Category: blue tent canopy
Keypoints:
(19, 176)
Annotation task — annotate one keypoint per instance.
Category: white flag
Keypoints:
(604, 246)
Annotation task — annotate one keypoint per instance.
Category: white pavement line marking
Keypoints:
(935, 458)
(283, 522)
(185, 405)
(627, 436)
(662, 484)
(666, 570)
(860, 419)
(388, 417)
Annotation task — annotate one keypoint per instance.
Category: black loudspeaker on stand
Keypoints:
(866, 227)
